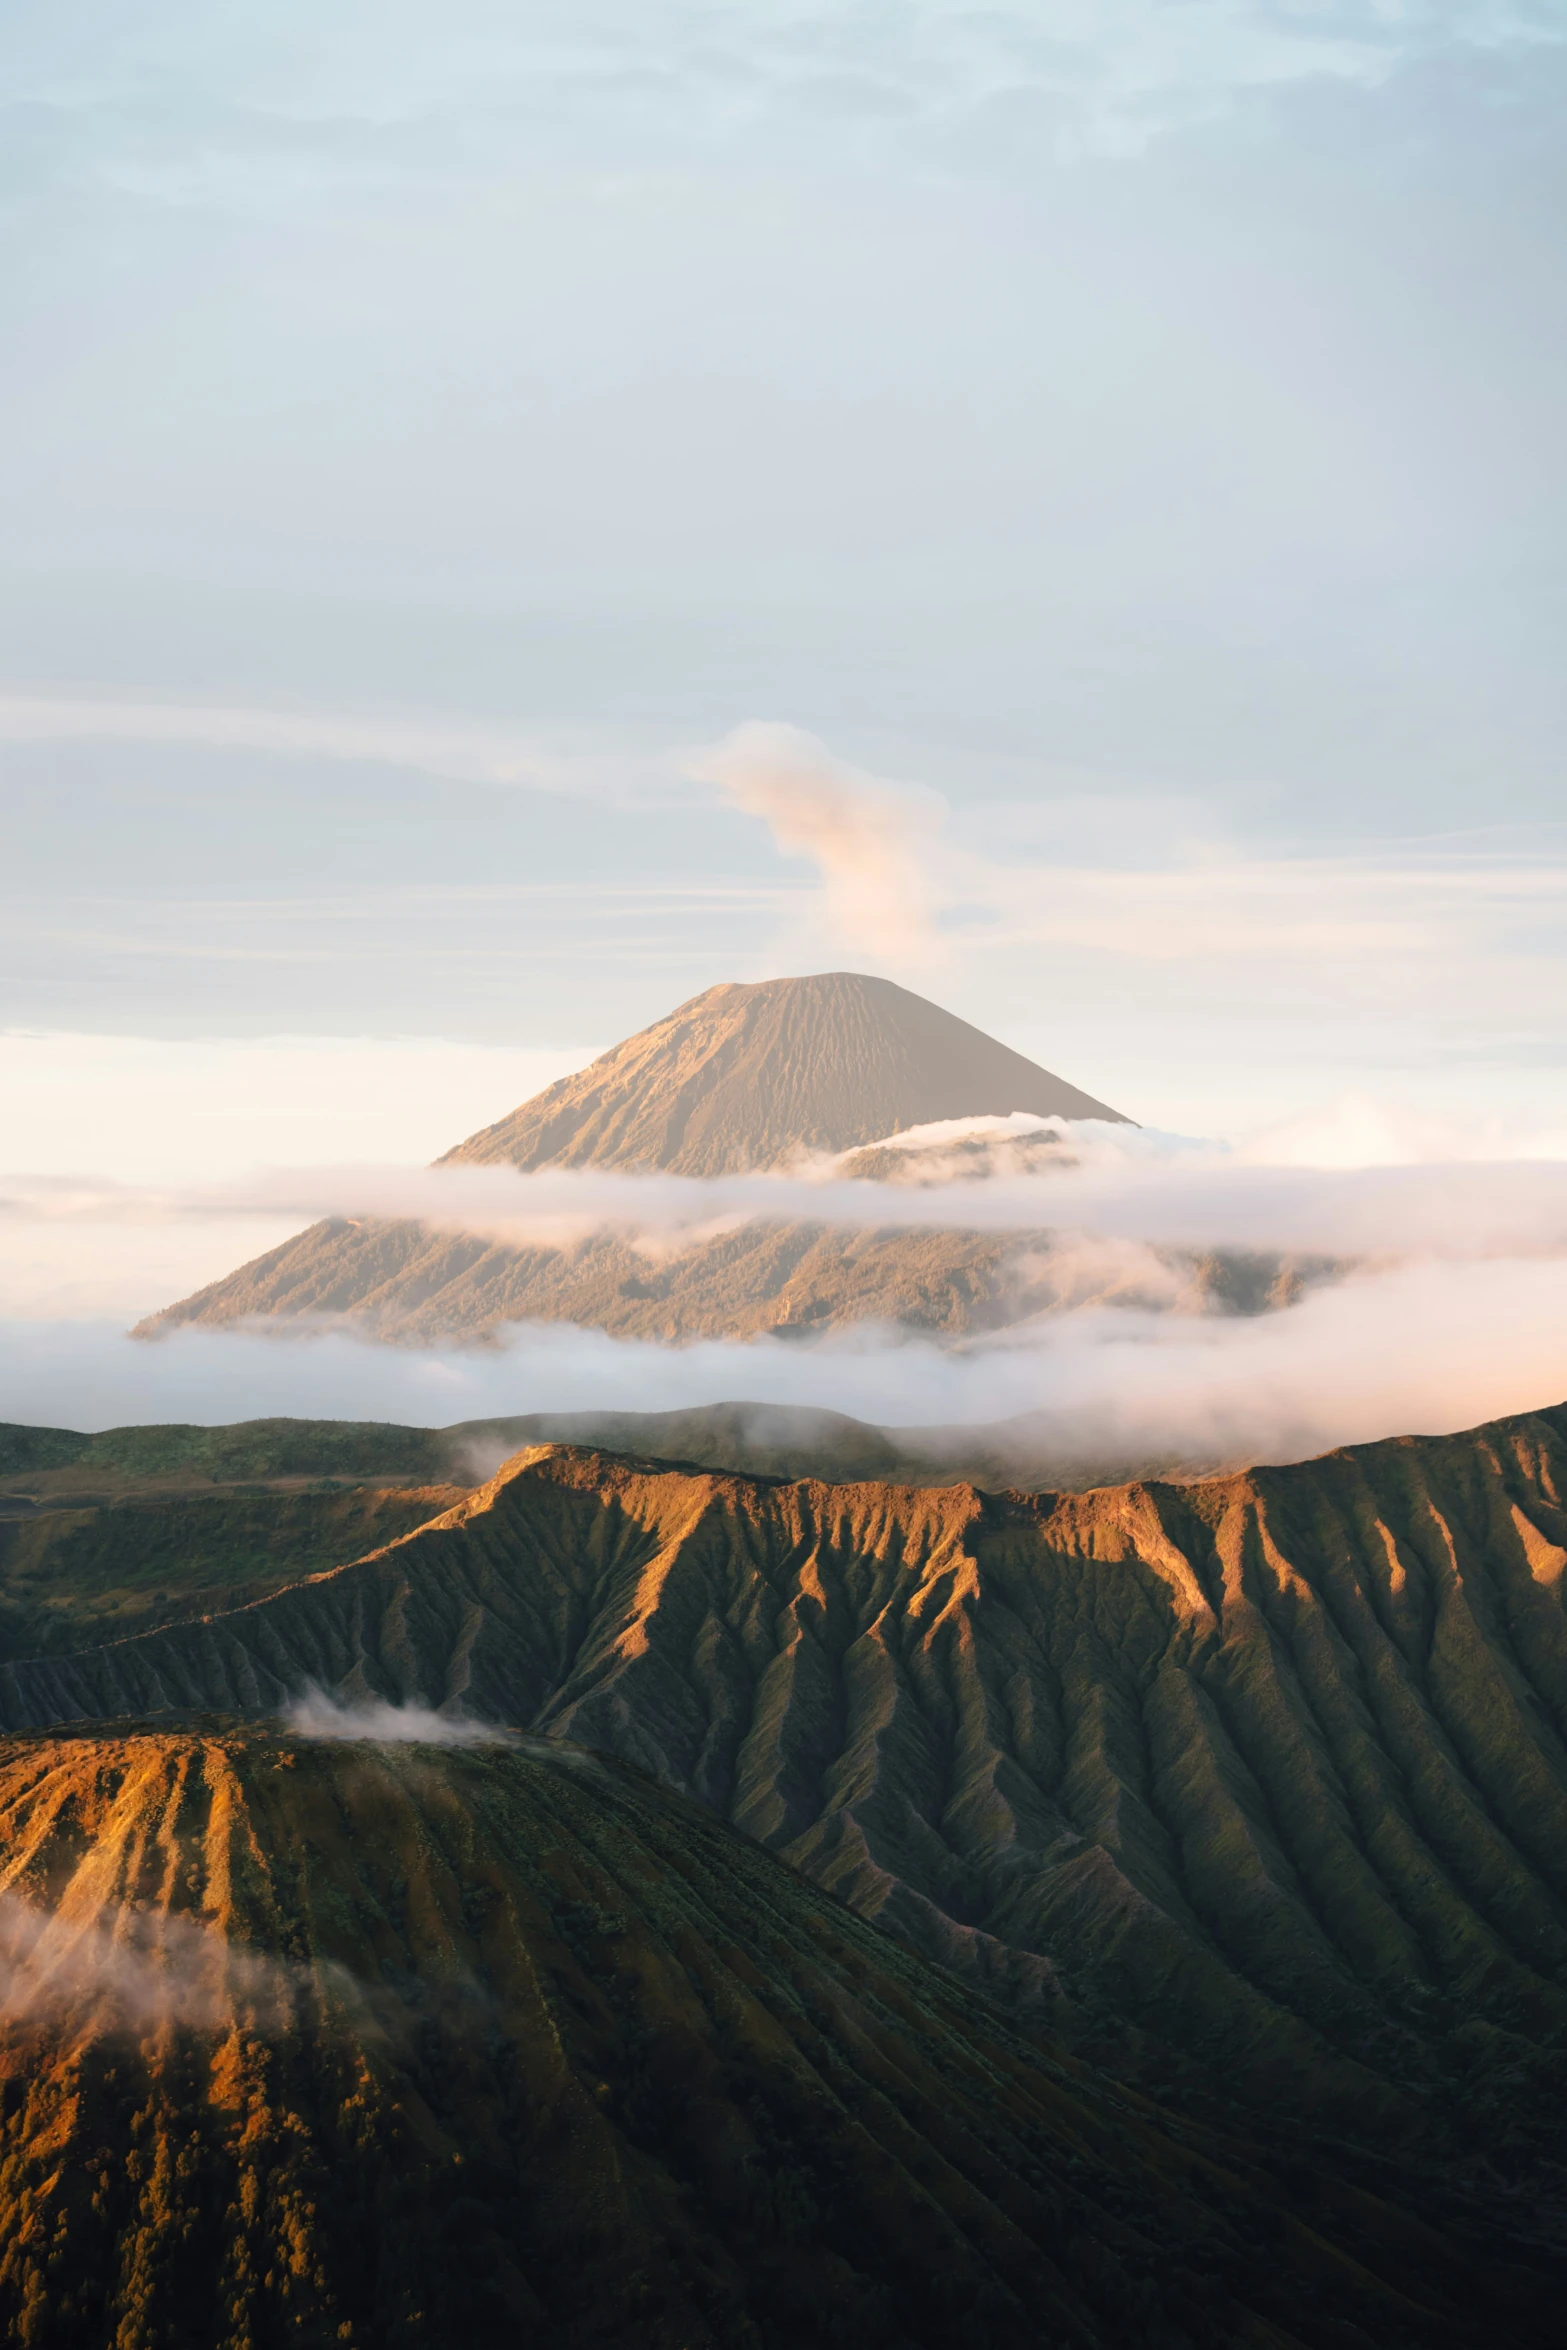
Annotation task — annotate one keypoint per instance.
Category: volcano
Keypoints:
(752, 1077)
(738, 1078)
(337, 2043)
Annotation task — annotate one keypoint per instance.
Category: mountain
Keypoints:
(129, 1529)
(107, 1535)
(747, 1077)
(111, 1569)
(411, 1285)
(1270, 1768)
(367, 2045)
(743, 1077)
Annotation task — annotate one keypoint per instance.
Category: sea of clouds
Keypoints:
(1427, 1346)
(1448, 1305)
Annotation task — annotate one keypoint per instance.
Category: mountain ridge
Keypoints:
(1276, 1762)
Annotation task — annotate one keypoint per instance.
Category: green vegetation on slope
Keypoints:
(246, 1451)
(379, 2048)
(70, 1577)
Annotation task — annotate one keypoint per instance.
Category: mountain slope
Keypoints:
(418, 1287)
(744, 1077)
(1275, 1763)
(372, 2047)
(70, 1576)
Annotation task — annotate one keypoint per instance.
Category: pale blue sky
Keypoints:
(1138, 422)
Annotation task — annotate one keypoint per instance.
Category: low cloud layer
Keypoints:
(1449, 1307)
(1432, 1347)
(1120, 1184)
(465, 753)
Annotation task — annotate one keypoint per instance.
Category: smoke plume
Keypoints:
(872, 842)
(315, 1714)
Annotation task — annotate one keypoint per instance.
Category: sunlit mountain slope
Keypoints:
(1271, 1765)
(337, 2044)
(745, 1077)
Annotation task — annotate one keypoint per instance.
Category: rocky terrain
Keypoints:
(1268, 1769)
(106, 1535)
(369, 2046)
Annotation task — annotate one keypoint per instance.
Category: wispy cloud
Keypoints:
(315, 1714)
(1406, 903)
(1119, 71)
(461, 753)
(1117, 1184)
(140, 1971)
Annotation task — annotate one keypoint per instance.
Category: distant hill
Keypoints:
(367, 2046)
(748, 1077)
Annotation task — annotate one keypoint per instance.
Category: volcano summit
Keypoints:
(752, 1077)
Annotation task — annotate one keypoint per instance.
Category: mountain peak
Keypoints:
(748, 1076)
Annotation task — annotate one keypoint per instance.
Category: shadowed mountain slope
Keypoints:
(59, 1468)
(1272, 1765)
(342, 2044)
(744, 1077)
(72, 1468)
(172, 1455)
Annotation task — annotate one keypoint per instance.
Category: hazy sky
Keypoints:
(1126, 433)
